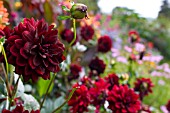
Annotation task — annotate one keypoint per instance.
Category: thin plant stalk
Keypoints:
(69, 97)
(74, 29)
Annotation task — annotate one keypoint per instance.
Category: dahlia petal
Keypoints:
(45, 62)
(40, 70)
(53, 68)
(27, 70)
(46, 75)
(19, 70)
(36, 60)
(19, 43)
(30, 61)
(34, 77)
(27, 46)
(23, 53)
(21, 28)
(21, 61)
(27, 36)
(31, 27)
(14, 50)
(53, 61)
(11, 60)
(13, 38)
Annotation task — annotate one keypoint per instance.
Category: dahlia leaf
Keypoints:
(63, 17)
(48, 12)
(42, 85)
(65, 8)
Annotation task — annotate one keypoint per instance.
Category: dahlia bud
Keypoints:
(79, 11)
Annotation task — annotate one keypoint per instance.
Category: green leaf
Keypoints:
(63, 17)
(42, 86)
(65, 8)
(48, 12)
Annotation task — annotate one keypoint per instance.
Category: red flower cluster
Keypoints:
(20, 109)
(97, 65)
(143, 86)
(123, 100)
(80, 99)
(75, 69)
(112, 79)
(134, 36)
(34, 49)
(68, 36)
(104, 44)
(99, 92)
(168, 106)
(87, 32)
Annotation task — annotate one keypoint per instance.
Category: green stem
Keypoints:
(3, 52)
(47, 91)
(74, 29)
(69, 97)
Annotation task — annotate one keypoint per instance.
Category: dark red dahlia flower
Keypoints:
(99, 93)
(112, 79)
(87, 32)
(121, 99)
(19, 109)
(143, 86)
(68, 36)
(104, 44)
(168, 106)
(35, 49)
(75, 69)
(80, 99)
(134, 36)
(97, 65)
(87, 81)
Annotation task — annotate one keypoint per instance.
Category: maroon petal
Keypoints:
(13, 38)
(19, 70)
(34, 77)
(30, 61)
(53, 68)
(20, 61)
(27, 46)
(24, 53)
(46, 75)
(27, 70)
(14, 50)
(19, 43)
(45, 62)
(53, 61)
(27, 36)
(40, 70)
(36, 60)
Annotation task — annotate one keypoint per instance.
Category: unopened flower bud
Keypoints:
(79, 11)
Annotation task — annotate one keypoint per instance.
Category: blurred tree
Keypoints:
(165, 10)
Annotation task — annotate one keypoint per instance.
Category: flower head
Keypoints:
(97, 65)
(34, 49)
(3, 16)
(112, 79)
(68, 36)
(143, 86)
(75, 69)
(168, 106)
(79, 11)
(87, 32)
(80, 99)
(134, 36)
(99, 92)
(104, 44)
(121, 99)
(19, 109)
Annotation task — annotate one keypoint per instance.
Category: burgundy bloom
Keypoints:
(19, 109)
(99, 92)
(168, 106)
(34, 49)
(104, 44)
(75, 69)
(121, 99)
(112, 79)
(68, 36)
(87, 81)
(134, 36)
(80, 99)
(143, 86)
(87, 32)
(98, 65)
